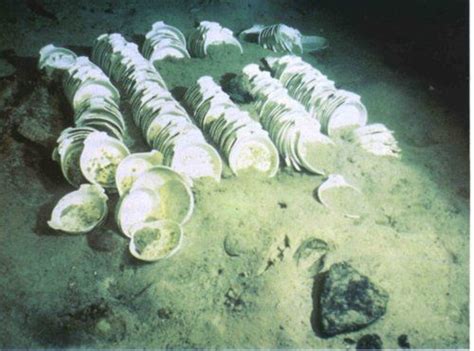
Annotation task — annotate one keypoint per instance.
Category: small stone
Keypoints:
(349, 341)
(105, 240)
(233, 301)
(348, 300)
(103, 326)
(237, 91)
(403, 341)
(369, 342)
(111, 328)
(8, 91)
(236, 244)
(164, 313)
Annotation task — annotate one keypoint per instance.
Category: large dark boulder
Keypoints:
(348, 301)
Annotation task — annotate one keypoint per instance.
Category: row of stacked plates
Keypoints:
(123, 63)
(283, 38)
(164, 41)
(164, 123)
(242, 141)
(207, 34)
(86, 154)
(84, 80)
(296, 135)
(93, 148)
(94, 99)
(337, 110)
(376, 139)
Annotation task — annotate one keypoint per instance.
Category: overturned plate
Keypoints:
(56, 58)
(314, 43)
(173, 191)
(80, 211)
(338, 195)
(132, 166)
(101, 157)
(152, 241)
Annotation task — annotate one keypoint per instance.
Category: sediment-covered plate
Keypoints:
(155, 240)
(80, 211)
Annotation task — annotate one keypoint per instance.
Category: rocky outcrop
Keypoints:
(347, 301)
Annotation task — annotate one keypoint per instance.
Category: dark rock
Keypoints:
(233, 301)
(164, 313)
(85, 314)
(39, 117)
(348, 301)
(232, 85)
(38, 8)
(349, 341)
(403, 341)
(105, 240)
(8, 90)
(6, 69)
(369, 342)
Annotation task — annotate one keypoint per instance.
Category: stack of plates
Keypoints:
(241, 139)
(164, 41)
(102, 114)
(152, 212)
(164, 123)
(85, 80)
(68, 153)
(281, 38)
(376, 139)
(122, 61)
(86, 154)
(336, 109)
(94, 99)
(210, 33)
(98, 123)
(295, 134)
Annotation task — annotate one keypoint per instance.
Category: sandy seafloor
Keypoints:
(413, 239)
